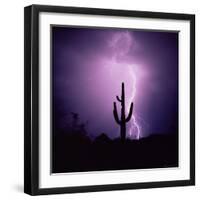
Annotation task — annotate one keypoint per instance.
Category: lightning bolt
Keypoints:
(134, 123)
(119, 56)
(135, 129)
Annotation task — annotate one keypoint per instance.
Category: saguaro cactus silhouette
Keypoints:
(122, 122)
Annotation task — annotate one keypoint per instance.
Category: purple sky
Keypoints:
(89, 66)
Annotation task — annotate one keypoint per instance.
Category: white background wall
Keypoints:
(11, 98)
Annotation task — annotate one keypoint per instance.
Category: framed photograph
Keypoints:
(109, 99)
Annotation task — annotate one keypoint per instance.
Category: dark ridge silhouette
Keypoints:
(76, 152)
(122, 122)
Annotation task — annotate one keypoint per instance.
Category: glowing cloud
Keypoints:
(89, 66)
(122, 69)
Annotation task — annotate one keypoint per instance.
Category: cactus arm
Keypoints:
(118, 99)
(123, 92)
(115, 114)
(130, 113)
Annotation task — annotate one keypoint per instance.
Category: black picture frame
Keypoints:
(31, 98)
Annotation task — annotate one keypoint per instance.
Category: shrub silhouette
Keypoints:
(102, 138)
